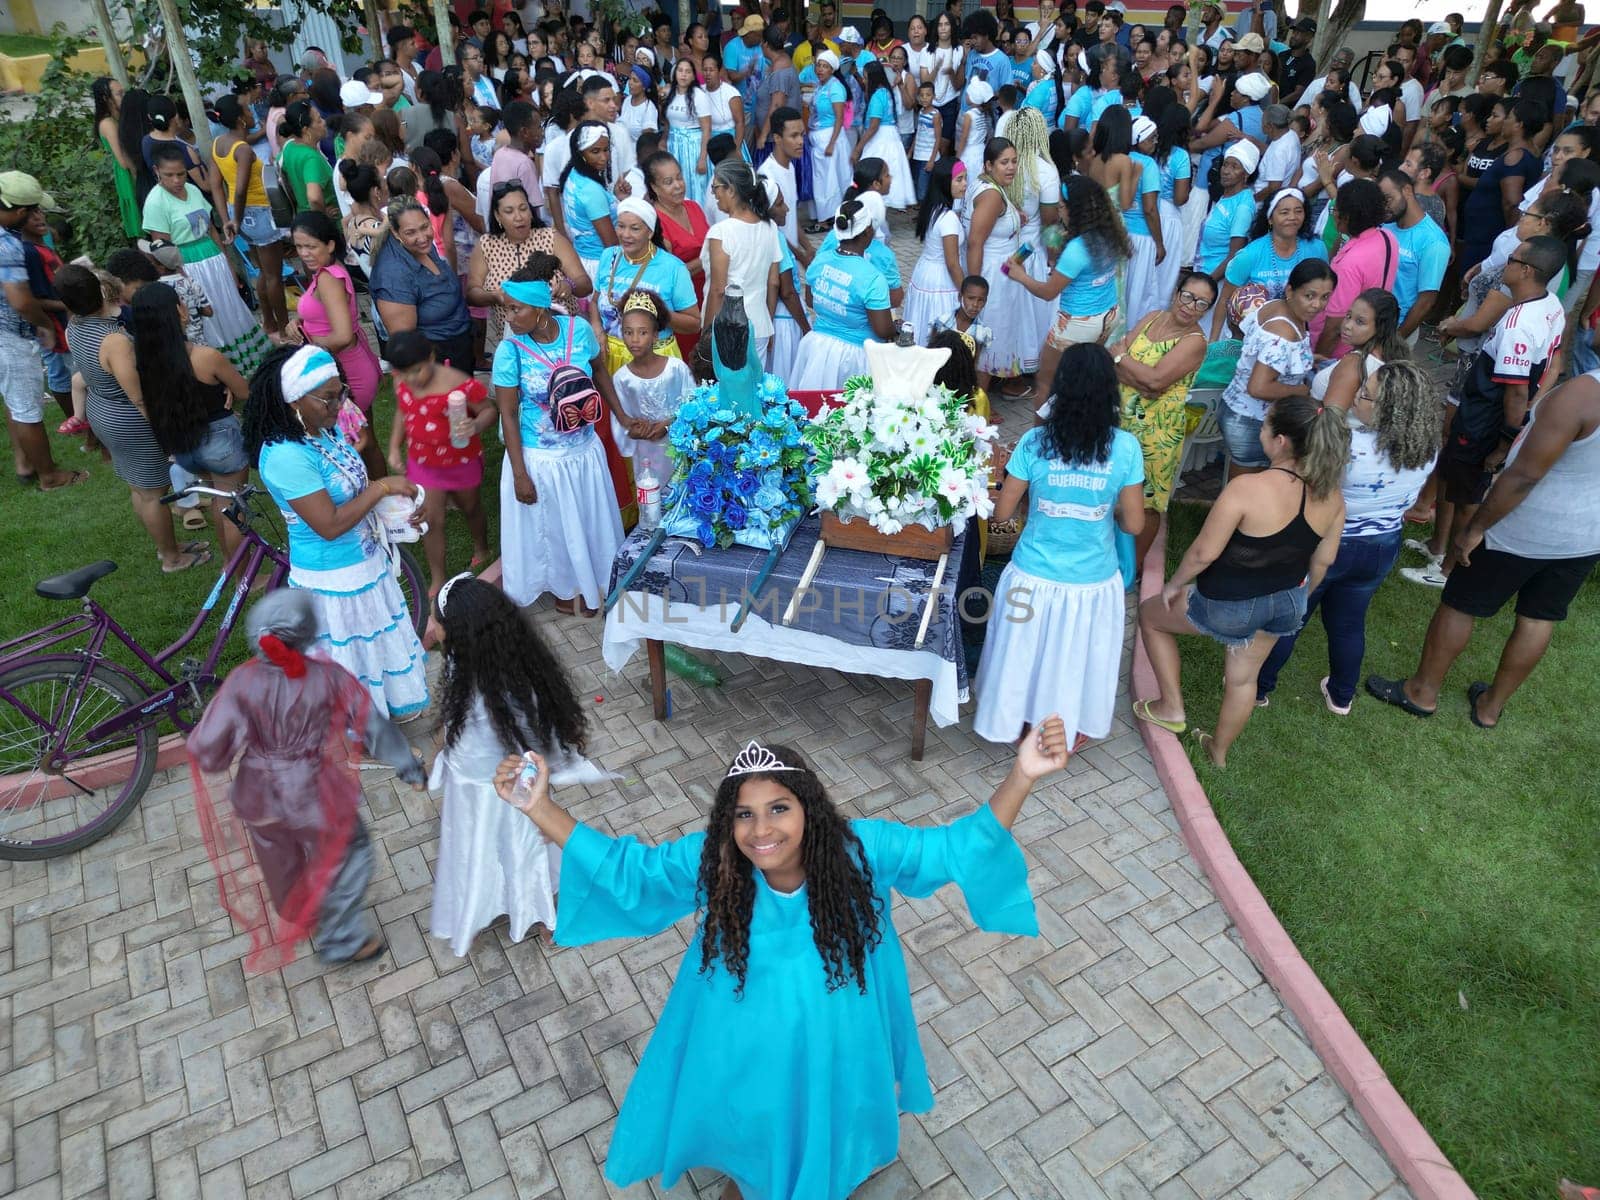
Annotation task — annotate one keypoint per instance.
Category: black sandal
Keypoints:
(1475, 692)
(1393, 691)
(370, 951)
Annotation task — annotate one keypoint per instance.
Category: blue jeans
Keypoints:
(1242, 436)
(1344, 594)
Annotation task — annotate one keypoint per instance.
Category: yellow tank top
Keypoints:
(256, 195)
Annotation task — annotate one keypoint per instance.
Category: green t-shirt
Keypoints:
(185, 221)
(304, 164)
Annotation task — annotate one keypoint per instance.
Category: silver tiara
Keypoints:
(756, 759)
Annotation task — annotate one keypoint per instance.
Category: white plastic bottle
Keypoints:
(456, 411)
(649, 497)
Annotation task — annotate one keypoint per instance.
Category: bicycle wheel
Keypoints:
(414, 587)
(50, 808)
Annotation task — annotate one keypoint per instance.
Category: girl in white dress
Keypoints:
(650, 387)
(504, 692)
(935, 287)
(688, 112)
(881, 138)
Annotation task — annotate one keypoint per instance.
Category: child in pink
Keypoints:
(422, 387)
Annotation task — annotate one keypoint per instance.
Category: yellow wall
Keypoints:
(23, 74)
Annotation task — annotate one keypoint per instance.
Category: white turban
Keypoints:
(307, 369)
(1376, 120)
(589, 135)
(640, 209)
(1245, 154)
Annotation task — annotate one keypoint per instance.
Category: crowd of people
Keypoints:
(1116, 222)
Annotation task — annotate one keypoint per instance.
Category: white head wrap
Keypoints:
(1376, 120)
(829, 57)
(305, 370)
(1143, 127)
(640, 209)
(1254, 85)
(858, 222)
(1245, 154)
(1046, 61)
(979, 92)
(1291, 193)
(589, 135)
(770, 186)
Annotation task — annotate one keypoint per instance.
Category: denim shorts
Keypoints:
(258, 228)
(1242, 435)
(1235, 622)
(57, 370)
(220, 452)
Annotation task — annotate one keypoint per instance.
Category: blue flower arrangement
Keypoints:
(740, 477)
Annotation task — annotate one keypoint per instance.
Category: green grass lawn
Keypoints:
(1442, 880)
(49, 533)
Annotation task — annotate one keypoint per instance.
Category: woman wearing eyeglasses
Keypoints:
(1156, 363)
(338, 551)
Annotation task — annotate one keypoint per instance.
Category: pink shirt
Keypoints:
(511, 163)
(357, 362)
(1369, 260)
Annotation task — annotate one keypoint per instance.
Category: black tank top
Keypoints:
(1258, 566)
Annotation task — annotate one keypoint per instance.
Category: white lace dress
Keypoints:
(930, 294)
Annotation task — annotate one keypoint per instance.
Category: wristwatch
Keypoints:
(1116, 360)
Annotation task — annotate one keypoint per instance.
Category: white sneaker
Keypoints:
(1420, 546)
(1341, 710)
(1431, 575)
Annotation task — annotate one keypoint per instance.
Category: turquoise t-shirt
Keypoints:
(1149, 181)
(881, 107)
(877, 253)
(1070, 536)
(1424, 256)
(1230, 217)
(1042, 96)
(293, 470)
(664, 274)
(1080, 104)
(1093, 288)
(1258, 262)
(1108, 99)
(823, 100)
(527, 365)
(786, 263)
(583, 202)
(1178, 166)
(843, 289)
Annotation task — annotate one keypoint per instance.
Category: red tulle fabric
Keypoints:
(289, 659)
(274, 763)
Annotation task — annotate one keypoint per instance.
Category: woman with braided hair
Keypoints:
(788, 1047)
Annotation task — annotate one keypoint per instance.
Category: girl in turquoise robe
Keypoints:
(788, 1046)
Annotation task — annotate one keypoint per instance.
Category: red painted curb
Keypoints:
(1414, 1154)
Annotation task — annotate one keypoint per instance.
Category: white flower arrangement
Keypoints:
(897, 460)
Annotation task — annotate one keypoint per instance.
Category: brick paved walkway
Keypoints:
(1131, 1050)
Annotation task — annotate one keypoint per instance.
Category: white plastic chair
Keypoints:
(1197, 450)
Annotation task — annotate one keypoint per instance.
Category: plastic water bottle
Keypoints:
(456, 411)
(522, 790)
(649, 497)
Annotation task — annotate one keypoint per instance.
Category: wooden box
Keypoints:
(914, 541)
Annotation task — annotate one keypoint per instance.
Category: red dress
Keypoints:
(686, 244)
(431, 461)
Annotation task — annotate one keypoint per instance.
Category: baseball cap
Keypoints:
(21, 190)
(353, 93)
(752, 24)
(1440, 28)
(1304, 25)
(1250, 43)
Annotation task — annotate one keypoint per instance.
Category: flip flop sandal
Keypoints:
(195, 519)
(1393, 691)
(196, 558)
(1577, 1191)
(1475, 692)
(76, 478)
(1203, 739)
(1141, 709)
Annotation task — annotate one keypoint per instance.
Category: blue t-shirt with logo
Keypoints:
(1093, 289)
(1424, 256)
(1259, 262)
(844, 288)
(1080, 104)
(583, 202)
(1230, 217)
(1070, 535)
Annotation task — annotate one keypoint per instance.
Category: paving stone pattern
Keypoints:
(1131, 1050)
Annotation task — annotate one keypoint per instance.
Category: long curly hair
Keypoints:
(846, 917)
(1405, 415)
(266, 418)
(175, 400)
(1092, 216)
(1086, 406)
(493, 651)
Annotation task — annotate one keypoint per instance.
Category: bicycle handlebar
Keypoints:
(197, 489)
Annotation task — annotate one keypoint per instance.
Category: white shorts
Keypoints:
(21, 379)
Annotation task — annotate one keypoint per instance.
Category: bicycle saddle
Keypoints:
(74, 585)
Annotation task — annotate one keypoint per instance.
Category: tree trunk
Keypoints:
(1491, 18)
(1332, 27)
(183, 64)
(108, 41)
(444, 32)
(374, 29)
(686, 17)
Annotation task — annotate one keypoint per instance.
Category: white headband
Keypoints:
(444, 592)
(307, 369)
(1289, 192)
(589, 135)
(770, 186)
(639, 209)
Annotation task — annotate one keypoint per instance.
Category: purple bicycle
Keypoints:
(79, 732)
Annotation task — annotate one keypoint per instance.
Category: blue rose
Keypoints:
(768, 499)
(745, 484)
(706, 533)
(735, 515)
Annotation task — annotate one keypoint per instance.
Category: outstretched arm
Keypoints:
(1041, 751)
(555, 822)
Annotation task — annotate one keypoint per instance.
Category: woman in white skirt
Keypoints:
(1171, 152)
(559, 522)
(850, 298)
(993, 236)
(688, 111)
(790, 322)
(504, 692)
(1141, 216)
(1054, 642)
(826, 143)
(337, 548)
(880, 138)
(935, 288)
(1036, 191)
